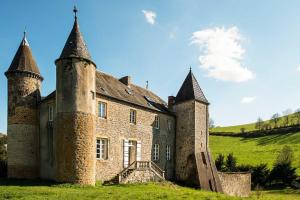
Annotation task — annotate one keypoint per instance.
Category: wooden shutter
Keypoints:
(138, 151)
(126, 153)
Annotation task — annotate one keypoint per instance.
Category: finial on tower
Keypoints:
(75, 11)
(24, 32)
(190, 68)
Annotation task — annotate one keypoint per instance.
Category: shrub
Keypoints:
(220, 162)
(3, 169)
(283, 173)
(260, 175)
(285, 156)
(230, 163)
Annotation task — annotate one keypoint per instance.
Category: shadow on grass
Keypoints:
(287, 138)
(25, 182)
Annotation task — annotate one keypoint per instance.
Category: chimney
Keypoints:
(171, 101)
(126, 80)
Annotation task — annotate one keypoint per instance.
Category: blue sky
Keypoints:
(245, 54)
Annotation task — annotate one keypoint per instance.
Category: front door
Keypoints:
(132, 151)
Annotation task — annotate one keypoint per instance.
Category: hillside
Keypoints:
(257, 150)
(293, 119)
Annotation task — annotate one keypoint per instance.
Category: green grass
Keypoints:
(256, 150)
(37, 190)
(251, 126)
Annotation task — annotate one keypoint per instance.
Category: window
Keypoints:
(102, 109)
(156, 122)
(101, 149)
(132, 116)
(203, 158)
(50, 113)
(168, 152)
(156, 152)
(169, 125)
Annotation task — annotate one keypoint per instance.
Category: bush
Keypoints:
(3, 169)
(220, 162)
(282, 173)
(260, 175)
(230, 163)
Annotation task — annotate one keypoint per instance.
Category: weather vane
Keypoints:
(75, 10)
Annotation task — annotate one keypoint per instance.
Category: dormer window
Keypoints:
(50, 113)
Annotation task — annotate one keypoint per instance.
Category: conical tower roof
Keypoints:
(75, 45)
(24, 60)
(190, 90)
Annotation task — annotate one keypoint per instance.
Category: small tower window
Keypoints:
(156, 152)
(132, 116)
(102, 110)
(168, 152)
(50, 113)
(203, 158)
(156, 122)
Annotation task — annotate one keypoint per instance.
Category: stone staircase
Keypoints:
(139, 171)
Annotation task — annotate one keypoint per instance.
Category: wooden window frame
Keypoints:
(102, 146)
(156, 152)
(132, 116)
(157, 122)
(50, 113)
(168, 152)
(99, 110)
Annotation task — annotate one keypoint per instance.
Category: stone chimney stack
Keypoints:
(171, 101)
(126, 80)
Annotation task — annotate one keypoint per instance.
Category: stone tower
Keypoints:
(75, 118)
(194, 165)
(24, 84)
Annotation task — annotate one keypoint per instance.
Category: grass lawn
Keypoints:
(39, 190)
(257, 150)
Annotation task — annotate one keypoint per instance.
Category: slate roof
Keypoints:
(75, 45)
(189, 90)
(111, 87)
(24, 60)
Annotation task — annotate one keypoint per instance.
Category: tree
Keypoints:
(259, 123)
(243, 130)
(275, 119)
(220, 162)
(283, 172)
(297, 115)
(285, 156)
(3, 152)
(230, 163)
(211, 123)
(287, 117)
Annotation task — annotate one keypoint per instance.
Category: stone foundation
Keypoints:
(75, 148)
(141, 176)
(236, 183)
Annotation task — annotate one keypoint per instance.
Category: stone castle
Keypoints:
(98, 127)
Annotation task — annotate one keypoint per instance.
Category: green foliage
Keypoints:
(220, 162)
(230, 163)
(286, 156)
(283, 173)
(260, 175)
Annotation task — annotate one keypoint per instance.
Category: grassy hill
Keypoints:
(257, 150)
(37, 190)
(293, 119)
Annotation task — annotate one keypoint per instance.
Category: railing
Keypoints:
(141, 165)
(157, 169)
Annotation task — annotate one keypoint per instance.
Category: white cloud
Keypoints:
(222, 54)
(172, 35)
(248, 99)
(150, 16)
(298, 68)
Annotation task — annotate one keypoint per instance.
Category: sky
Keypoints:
(244, 54)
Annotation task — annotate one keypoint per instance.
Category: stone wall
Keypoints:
(236, 183)
(117, 127)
